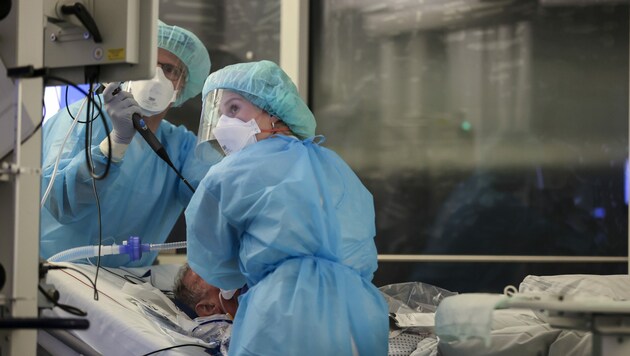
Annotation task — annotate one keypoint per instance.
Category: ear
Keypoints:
(274, 121)
(203, 309)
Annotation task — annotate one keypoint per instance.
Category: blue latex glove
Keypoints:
(120, 107)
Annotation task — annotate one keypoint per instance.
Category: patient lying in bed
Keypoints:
(202, 298)
(513, 332)
(137, 318)
(204, 303)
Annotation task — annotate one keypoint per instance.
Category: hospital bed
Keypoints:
(133, 316)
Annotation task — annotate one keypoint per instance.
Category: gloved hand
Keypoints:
(120, 108)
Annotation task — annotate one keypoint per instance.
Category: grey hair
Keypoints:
(187, 294)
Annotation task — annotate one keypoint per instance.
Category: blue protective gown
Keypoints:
(292, 220)
(141, 196)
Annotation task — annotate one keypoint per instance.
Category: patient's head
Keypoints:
(200, 296)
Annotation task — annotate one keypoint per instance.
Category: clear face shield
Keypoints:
(207, 144)
(227, 123)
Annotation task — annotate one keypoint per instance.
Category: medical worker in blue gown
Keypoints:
(287, 217)
(141, 196)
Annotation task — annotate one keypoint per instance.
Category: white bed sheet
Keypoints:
(524, 332)
(119, 320)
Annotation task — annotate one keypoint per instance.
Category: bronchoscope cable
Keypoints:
(153, 142)
(157, 147)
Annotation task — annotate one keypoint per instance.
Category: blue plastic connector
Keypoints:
(133, 248)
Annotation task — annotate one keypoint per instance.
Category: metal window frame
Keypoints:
(294, 38)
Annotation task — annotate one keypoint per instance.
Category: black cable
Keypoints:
(182, 345)
(88, 143)
(100, 236)
(100, 105)
(65, 307)
(68, 106)
(88, 152)
(102, 116)
(88, 138)
(127, 277)
(93, 283)
(131, 278)
(192, 189)
(93, 78)
(156, 146)
(49, 267)
(154, 143)
(80, 11)
(114, 273)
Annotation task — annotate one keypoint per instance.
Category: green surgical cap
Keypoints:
(268, 87)
(189, 49)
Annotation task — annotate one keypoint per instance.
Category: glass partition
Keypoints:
(481, 128)
(233, 31)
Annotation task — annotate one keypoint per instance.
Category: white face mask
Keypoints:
(234, 135)
(153, 95)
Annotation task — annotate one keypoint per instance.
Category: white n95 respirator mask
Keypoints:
(153, 95)
(233, 134)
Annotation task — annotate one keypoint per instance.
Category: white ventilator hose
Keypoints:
(54, 173)
(78, 253)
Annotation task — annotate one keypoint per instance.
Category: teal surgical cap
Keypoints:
(189, 49)
(268, 87)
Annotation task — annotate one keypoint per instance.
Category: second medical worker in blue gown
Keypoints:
(289, 218)
(141, 196)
